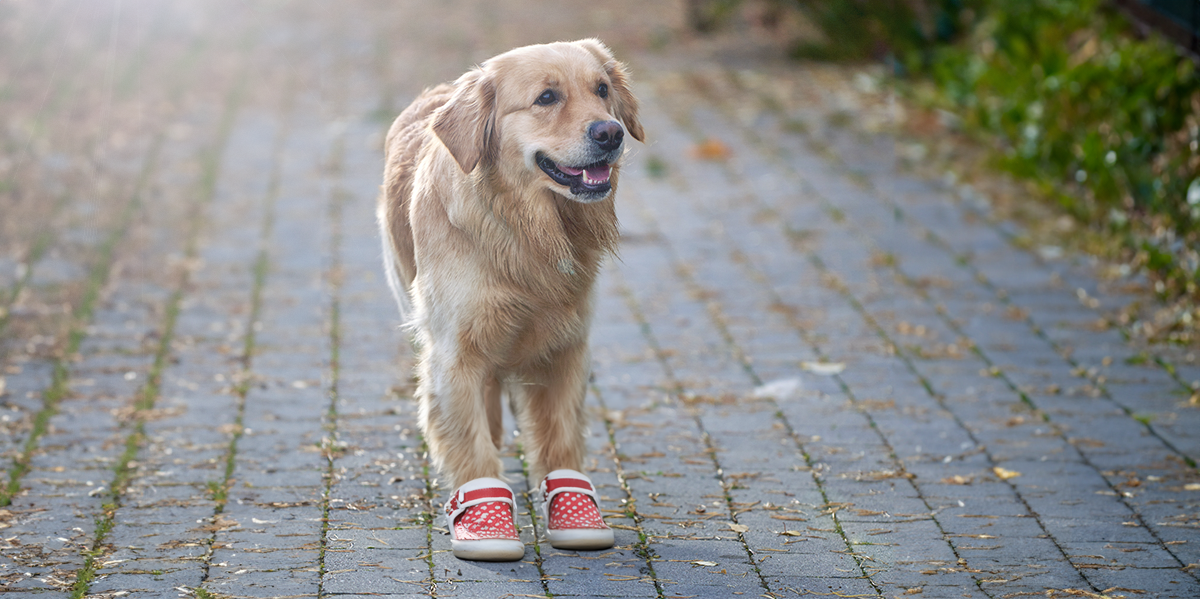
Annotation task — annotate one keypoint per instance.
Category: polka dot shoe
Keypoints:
(481, 522)
(571, 512)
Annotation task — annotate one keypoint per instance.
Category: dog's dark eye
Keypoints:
(602, 91)
(547, 98)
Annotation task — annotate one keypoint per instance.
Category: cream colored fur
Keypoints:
(492, 261)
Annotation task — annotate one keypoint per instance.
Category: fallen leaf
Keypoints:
(1192, 487)
(862, 512)
(789, 518)
(883, 475)
(1111, 590)
(1005, 473)
(711, 149)
(958, 479)
(220, 522)
(738, 527)
(824, 368)
(1077, 593)
(792, 533)
(704, 563)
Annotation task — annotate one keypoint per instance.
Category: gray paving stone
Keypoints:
(150, 581)
(732, 274)
(1152, 582)
(266, 581)
(374, 571)
(801, 584)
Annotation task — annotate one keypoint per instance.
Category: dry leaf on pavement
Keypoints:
(711, 149)
(958, 479)
(1005, 473)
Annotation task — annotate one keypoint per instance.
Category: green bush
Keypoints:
(1076, 100)
(883, 29)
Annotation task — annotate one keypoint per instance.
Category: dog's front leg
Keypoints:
(495, 411)
(551, 412)
(453, 389)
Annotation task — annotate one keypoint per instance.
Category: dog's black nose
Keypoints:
(606, 134)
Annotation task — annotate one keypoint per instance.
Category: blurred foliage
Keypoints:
(1103, 119)
(708, 15)
(858, 29)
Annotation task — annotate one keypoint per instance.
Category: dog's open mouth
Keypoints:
(590, 181)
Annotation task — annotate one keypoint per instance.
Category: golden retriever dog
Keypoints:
(496, 213)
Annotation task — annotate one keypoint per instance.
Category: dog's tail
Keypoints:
(391, 270)
(393, 280)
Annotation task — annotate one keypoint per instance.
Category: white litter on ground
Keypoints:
(824, 368)
(780, 389)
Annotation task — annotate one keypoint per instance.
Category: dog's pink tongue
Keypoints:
(597, 174)
(570, 171)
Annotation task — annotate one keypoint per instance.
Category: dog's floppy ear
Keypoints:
(466, 123)
(625, 104)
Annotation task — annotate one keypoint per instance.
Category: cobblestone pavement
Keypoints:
(814, 373)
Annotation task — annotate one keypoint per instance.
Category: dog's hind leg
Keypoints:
(551, 413)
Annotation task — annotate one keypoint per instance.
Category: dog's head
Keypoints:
(553, 114)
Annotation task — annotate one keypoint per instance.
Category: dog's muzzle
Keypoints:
(587, 182)
(591, 181)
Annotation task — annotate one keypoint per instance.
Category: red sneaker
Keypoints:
(481, 522)
(571, 512)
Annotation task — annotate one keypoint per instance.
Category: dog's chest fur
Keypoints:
(531, 264)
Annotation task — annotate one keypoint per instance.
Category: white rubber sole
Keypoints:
(489, 550)
(581, 538)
